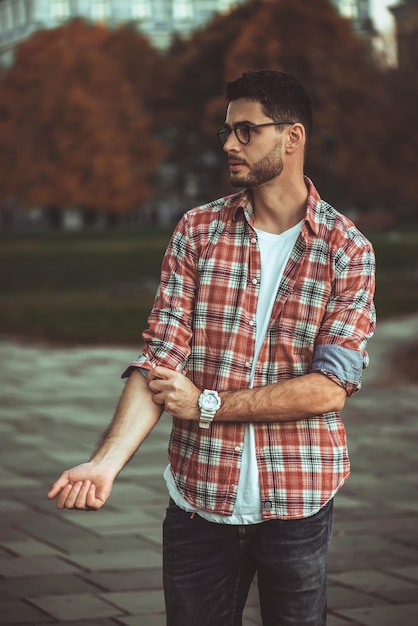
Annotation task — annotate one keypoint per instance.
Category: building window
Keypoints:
(100, 10)
(205, 10)
(225, 5)
(60, 10)
(19, 12)
(141, 9)
(28, 10)
(162, 13)
(347, 8)
(7, 17)
(182, 10)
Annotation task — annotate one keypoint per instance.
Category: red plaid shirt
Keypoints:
(202, 324)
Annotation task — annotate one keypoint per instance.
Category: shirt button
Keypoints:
(268, 504)
(253, 239)
(248, 364)
(254, 281)
(251, 322)
(237, 449)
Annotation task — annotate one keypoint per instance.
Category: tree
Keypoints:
(399, 157)
(74, 130)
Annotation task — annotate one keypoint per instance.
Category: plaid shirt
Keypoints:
(203, 324)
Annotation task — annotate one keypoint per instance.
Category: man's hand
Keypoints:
(85, 487)
(175, 391)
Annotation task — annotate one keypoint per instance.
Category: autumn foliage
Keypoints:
(87, 114)
(74, 129)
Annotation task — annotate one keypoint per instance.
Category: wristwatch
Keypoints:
(209, 402)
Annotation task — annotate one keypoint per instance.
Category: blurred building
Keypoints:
(359, 12)
(406, 18)
(158, 19)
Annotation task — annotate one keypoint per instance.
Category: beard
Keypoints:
(262, 171)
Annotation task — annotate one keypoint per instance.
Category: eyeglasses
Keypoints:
(243, 131)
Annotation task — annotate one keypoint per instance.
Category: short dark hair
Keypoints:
(280, 94)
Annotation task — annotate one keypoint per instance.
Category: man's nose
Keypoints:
(231, 144)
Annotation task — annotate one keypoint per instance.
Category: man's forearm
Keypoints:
(290, 400)
(294, 399)
(135, 417)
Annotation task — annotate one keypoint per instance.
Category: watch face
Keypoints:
(209, 401)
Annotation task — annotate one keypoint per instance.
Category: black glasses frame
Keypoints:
(224, 132)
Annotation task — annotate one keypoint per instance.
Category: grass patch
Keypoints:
(76, 317)
(79, 288)
(98, 288)
(397, 273)
(63, 262)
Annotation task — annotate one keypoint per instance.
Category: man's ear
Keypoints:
(296, 138)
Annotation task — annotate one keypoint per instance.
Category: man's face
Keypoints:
(260, 161)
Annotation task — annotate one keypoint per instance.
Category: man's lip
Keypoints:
(234, 162)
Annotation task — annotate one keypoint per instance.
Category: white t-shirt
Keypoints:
(274, 254)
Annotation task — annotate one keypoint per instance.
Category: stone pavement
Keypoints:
(74, 568)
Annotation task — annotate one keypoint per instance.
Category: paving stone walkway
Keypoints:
(79, 569)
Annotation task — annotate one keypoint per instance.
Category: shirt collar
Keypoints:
(242, 202)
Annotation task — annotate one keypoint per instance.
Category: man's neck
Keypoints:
(280, 204)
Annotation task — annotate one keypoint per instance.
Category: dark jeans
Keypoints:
(208, 569)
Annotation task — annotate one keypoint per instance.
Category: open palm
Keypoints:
(85, 487)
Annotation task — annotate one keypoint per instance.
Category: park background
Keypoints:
(105, 140)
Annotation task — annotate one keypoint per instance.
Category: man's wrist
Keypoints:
(209, 403)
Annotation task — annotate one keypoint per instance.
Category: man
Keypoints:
(256, 337)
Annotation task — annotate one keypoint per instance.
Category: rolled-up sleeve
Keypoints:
(350, 318)
(167, 339)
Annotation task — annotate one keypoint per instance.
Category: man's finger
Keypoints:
(158, 398)
(157, 385)
(62, 497)
(161, 372)
(80, 501)
(60, 484)
(93, 503)
(72, 496)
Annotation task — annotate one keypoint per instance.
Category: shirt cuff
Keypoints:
(139, 365)
(342, 365)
